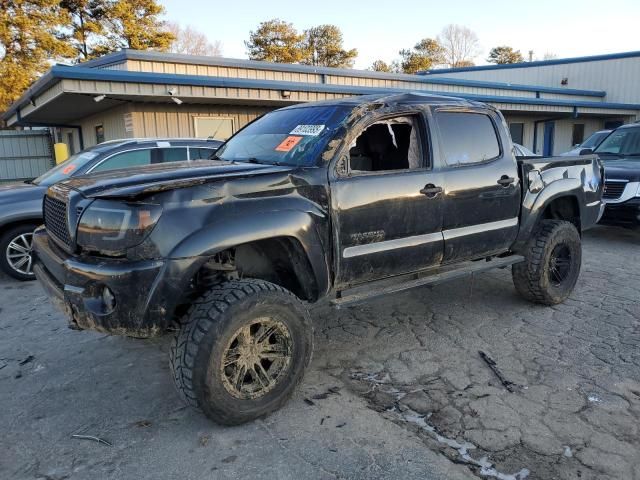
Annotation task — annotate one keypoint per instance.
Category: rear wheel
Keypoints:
(15, 252)
(552, 263)
(241, 350)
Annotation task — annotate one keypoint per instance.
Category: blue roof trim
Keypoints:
(79, 73)
(152, 56)
(539, 63)
(200, 80)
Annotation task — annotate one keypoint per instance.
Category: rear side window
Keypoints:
(174, 154)
(128, 159)
(467, 138)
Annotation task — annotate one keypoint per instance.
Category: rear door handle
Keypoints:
(505, 181)
(430, 190)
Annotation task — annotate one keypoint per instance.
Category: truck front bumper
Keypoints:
(625, 213)
(116, 296)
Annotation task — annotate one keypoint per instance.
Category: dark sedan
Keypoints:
(21, 204)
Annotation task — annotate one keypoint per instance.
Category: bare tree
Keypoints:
(190, 41)
(460, 45)
(549, 56)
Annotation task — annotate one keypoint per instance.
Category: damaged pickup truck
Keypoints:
(339, 201)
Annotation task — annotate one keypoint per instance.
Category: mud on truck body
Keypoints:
(337, 201)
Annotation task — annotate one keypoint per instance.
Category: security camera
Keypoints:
(176, 100)
(99, 98)
(172, 91)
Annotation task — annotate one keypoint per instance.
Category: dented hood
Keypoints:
(136, 181)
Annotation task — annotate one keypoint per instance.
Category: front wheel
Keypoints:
(15, 252)
(552, 263)
(241, 350)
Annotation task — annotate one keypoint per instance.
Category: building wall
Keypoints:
(618, 77)
(163, 120)
(113, 123)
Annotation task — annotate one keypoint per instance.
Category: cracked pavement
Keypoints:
(415, 399)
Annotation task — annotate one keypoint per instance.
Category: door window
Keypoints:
(467, 138)
(201, 153)
(128, 159)
(388, 145)
(99, 133)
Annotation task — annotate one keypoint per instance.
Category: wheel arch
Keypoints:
(560, 200)
(282, 247)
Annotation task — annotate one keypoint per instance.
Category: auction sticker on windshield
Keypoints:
(311, 130)
(288, 143)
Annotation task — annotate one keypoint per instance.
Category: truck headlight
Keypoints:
(112, 227)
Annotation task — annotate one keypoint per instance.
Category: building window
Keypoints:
(218, 128)
(517, 133)
(71, 143)
(99, 134)
(577, 137)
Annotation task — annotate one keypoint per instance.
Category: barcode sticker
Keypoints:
(310, 130)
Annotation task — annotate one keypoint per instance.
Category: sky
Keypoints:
(379, 29)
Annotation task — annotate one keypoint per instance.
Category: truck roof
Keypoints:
(391, 98)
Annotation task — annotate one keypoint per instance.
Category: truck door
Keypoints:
(482, 187)
(387, 201)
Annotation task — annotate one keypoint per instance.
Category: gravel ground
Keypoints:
(414, 397)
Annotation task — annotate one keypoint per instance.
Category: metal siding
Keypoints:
(154, 120)
(24, 154)
(112, 121)
(618, 77)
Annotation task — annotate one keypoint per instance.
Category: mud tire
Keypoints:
(534, 278)
(199, 347)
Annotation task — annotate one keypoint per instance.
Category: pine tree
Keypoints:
(276, 41)
(30, 36)
(323, 46)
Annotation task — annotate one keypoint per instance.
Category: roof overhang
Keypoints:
(66, 94)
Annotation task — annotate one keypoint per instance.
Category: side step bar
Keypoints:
(444, 276)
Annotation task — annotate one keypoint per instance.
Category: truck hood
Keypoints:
(12, 193)
(136, 181)
(622, 169)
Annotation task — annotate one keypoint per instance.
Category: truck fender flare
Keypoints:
(534, 204)
(229, 232)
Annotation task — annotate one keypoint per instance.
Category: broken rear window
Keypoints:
(296, 136)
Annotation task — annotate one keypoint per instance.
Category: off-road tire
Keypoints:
(533, 279)
(199, 347)
(5, 238)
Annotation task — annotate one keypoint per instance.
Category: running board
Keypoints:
(470, 268)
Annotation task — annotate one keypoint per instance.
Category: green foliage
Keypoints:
(381, 66)
(323, 46)
(426, 54)
(30, 36)
(135, 24)
(276, 41)
(504, 54)
(87, 24)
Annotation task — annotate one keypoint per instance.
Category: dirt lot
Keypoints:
(411, 396)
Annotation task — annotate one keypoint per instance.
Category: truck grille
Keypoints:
(55, 219)
(613, 190)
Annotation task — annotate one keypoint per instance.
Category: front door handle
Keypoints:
(430, 190)
(505, 180)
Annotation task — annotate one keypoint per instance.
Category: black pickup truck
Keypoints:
(339, 201)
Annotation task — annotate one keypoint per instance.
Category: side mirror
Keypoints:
(586, 151)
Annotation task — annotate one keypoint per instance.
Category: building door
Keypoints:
(549, 133)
